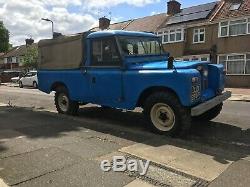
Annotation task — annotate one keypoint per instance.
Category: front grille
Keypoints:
(204, 79)
(196, 92)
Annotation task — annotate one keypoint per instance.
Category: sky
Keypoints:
(23, 17)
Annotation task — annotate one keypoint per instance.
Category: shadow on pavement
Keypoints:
(126, 125)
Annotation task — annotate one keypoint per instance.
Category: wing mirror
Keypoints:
(170, 62)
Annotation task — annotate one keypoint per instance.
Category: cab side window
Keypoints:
(105, 53)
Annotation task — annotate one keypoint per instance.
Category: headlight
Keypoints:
(195, 80)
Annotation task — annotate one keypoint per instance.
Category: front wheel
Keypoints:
(64, 104)
(166, 115)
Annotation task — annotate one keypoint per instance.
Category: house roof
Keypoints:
(18, 51)
(192, 14)
(226, 13)
(154, 22)
(146, 24)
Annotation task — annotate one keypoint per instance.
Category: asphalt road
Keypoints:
(110, 130)
(228, 126)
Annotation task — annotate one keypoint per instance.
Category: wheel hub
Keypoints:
(162, 116)
(63, 102)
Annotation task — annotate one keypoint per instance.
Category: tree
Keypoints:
(4, 38)
(31, 57)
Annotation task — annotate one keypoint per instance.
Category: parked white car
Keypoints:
(29, 79)
(15, 79)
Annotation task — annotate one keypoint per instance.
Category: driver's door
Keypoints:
(104, 72)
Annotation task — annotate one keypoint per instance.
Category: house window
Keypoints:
(235, 6)
(172, 35)
(234, 28)
(202, 58)
(248, 27)
(199, 35)
(235, 63)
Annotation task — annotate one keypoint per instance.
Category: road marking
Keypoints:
(2, 104)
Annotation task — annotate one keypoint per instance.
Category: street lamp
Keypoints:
(52, 23)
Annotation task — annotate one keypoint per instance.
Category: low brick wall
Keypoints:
(238, 81)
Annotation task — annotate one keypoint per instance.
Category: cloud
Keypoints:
(23, 18)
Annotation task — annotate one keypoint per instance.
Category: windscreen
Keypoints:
(132, 46)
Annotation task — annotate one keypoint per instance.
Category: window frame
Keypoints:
(199, 35)
(234, 54)
(117, 48)
(247, 22)
(199, 57)
(168, 32)
(235, 6)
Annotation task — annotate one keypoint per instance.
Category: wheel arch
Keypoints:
(56, 85)
(148, 91)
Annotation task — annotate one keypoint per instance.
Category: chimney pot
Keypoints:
(174, 7)
(29, 41)
(104, 23)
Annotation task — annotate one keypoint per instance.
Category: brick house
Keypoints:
(217, 32)
(232, 25)
(14, 58)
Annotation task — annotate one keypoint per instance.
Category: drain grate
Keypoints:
(160, 175)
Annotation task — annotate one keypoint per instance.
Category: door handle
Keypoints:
(93, 80)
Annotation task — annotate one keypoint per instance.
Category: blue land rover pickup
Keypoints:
(122, 69)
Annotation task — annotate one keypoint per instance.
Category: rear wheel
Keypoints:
(210, 114)
(166, 115)
(63, 103)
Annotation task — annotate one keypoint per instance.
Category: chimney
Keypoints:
(57, 35)
(174, 7)
(29, 41)
(104, 23)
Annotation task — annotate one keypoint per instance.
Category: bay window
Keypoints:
(234, 28)
(235, 63)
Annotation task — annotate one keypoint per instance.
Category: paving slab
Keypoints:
(238, 174)
(23, 167)
(196, 160)
(138, 183)
(90, 148)
(84, 173)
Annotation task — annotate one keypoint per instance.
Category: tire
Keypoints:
(63, 103)
(20, 84)
(35, 84)
(210, 114)
(166, 115)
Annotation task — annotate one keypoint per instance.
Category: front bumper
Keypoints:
(203, 107)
